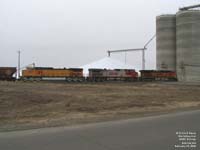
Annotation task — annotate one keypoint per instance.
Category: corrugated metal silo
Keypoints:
(188, 45)
(166, 42)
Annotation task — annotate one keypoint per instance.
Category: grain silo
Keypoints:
(188, 45)
(166, 42)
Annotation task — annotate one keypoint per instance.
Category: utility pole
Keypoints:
(19, 53)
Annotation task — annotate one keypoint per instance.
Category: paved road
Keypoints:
(150, 133)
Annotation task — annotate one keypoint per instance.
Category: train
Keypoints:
(95, 75)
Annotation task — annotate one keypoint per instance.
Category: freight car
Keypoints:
(157, 75)
(48, 73)
(112, 75)
(6, 73)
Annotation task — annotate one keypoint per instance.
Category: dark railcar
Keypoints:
(6, 73)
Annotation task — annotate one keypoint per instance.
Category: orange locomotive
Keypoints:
(45, 73)
(158, 75)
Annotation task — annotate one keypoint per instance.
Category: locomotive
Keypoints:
(41, 73)
(112, 75)
(158, 75)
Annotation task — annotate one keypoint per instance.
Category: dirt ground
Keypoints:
(32, 105)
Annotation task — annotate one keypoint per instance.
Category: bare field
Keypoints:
(31, 105)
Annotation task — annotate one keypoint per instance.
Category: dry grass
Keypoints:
(36, 103)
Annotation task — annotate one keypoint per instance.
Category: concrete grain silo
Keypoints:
(166, 42)
(188, 45)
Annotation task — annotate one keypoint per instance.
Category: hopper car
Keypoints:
(112, 75)
(6, 73)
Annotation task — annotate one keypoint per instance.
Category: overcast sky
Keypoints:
(71, 33)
